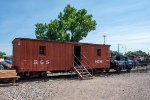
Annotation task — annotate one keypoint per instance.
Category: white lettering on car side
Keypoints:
(98, 61)
(36, 62)
(41, 62)
(47, 62)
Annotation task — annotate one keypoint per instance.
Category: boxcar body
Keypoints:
(31, 55)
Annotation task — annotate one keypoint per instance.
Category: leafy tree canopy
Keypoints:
(113, 53)
(72, 25)
(2, 54)
(136, 53)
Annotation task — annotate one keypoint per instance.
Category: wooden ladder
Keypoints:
(82, 72)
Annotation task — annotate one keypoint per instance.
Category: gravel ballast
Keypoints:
(126, 86)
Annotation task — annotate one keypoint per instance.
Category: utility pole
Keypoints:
(118, 48)
(125, 49)
(104, 38)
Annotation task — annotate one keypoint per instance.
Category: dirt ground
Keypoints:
(126, 86)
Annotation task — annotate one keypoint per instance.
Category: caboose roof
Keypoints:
(76, 43)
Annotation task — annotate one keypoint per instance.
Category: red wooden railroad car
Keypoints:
(31, 56)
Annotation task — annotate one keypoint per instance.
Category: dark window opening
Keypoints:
(42, 50)
(98, 52)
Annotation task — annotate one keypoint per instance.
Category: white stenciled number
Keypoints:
(98, 61)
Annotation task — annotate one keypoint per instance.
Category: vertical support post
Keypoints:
(118, 48)
(125, 49)
(104, 38)
(146, 67)
(13, 81)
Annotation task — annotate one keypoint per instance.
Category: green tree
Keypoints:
(40, 31)
(2, 54)
(136, 53)
(72, 25)
(113, 53)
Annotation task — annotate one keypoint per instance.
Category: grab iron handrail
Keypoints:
(87, 63)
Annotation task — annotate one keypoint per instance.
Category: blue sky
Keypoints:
(126, 22)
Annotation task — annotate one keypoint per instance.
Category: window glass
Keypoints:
(98, 52)
(42, 50)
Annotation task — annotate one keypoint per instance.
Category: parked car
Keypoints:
(121, 63)
(143, 63)
(8, 61)
(1, 66)
(6, 64)
(135, 63)
(130, 62)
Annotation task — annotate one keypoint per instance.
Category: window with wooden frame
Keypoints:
(98, 52)
(42, 50)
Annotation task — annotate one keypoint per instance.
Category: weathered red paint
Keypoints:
(91, 58)
(59, 55)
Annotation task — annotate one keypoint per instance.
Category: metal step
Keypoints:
(82, 72)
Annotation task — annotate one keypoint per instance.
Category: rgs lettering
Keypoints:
(36, 62)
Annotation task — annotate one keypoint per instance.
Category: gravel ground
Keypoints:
(127, 86)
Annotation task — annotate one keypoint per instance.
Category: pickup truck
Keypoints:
(121, 64)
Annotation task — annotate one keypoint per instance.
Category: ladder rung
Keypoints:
(77, 67)
(81, 69)
(82, 72)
